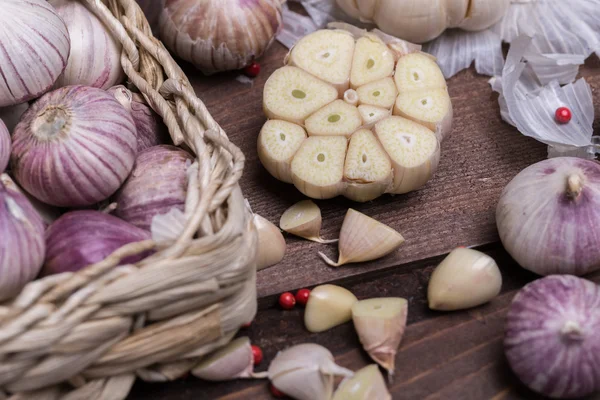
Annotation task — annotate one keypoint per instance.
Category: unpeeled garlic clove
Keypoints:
(380, 324)
(278, 142)
(230, 362)
(484, 13)
(366, 384)
(306, 372)
(328, 306)
(363, 238)
(465, 278)
(304, 219)
(271, 244)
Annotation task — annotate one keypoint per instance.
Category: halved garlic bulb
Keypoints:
(35, 47)
(304, 219)
(306, 372)
(363, 238)
(337, 94)
(423, 20)
(219, 35)
(366, 384)
(465, 278)
(328, 306)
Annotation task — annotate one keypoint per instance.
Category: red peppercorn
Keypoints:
(252, 69)
(563, 115)
(275, 392)
(247, 324)
(302, 296)
(257, 355)
(287, 301)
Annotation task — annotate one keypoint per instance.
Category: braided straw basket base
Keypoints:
(88, 335)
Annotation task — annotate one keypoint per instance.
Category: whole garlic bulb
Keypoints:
(420, 21)
(95, 58)
(35, 48)
(219, 35)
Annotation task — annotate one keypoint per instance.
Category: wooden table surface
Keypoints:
(454, 355)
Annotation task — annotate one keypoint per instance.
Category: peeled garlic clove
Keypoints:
(465, 278)
(418, 71)
(381, 93)
(318, 166)
(271, 244)
(218, 35)
(363, 238)
(372, 61)
(230, 362)
(303, 219)
(305, 372)
(371, 115)
(292, 94)
(366, 384)
(278, 142)
(380, 324)
(484, 13)
(328, 306)
(367, 169)
(326, 54)
(336, 119)
(414, 150)
(431, 108)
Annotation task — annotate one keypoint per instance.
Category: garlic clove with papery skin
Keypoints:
(366, 384)
(306, 372)
(304, 219)
(380, 324)
(271, 244)
(318, 166)
(292, 94)
(465, 278)
(363, 238)
(278, 142)
(219, 35)
(328, 306)
(372, 61)
(230, 362)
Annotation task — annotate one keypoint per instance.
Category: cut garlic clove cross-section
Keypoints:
(418, 71)
(278, 141)
(292, 94)
(372, 61)
(337, 118)
(327, 55)
(381, 93)
(413, 149)
(371, 114)
(368, 168)
(318, 166)
(431, 108)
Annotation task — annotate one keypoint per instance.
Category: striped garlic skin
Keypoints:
(95, 58)
(551, 340)
(74, 147)
(22, 246)
(34, 48)
(4, 146)
(219, 35)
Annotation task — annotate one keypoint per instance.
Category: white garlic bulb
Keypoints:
(219, 35)
(423, 20)
(95, 58)
(35, 48)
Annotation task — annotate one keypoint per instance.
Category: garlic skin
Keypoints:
(95, 57)
(551, 340)
(366, 384)
(420, 21)
(465, 278)
(363, 238)
(547, 216)
(230, 362)
(306, 372)
(28, 65)
(328, 306)
(5, 146)
(304, 219)
(380, 324)
(219, 35)
(271, 244)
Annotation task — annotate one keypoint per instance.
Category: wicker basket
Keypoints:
(88, 335)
